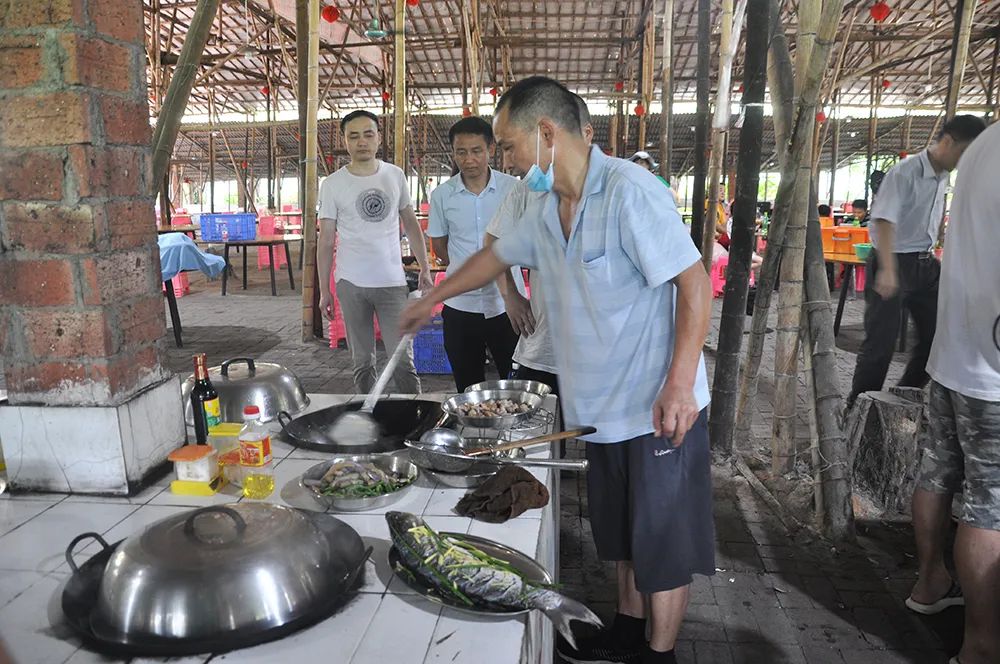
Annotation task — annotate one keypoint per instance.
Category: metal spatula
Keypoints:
(359, 427)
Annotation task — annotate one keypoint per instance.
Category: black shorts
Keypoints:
(651, 503)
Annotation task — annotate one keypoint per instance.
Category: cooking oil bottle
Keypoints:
(255, 456)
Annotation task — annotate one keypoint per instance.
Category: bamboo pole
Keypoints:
(168, 123)
(667, 95)
(211, 171)
(732, 23)
(835, 149)
(834, 492)
(780, 81)
(964, 14)
(786, 351)
(724, 387)
(399, 89)
(311, 139)
(701, 122)
(302, 27)
(800, 143)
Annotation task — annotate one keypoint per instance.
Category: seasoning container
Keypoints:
(225, 436)
(197, 471)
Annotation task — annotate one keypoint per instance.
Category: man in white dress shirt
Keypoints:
(902, 272)
(461, 208)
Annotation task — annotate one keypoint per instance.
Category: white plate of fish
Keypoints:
(477, 575)
(360, 482)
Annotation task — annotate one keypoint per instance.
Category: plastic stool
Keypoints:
(265, 226)
(718, 275)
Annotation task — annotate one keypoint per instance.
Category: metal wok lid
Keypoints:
(242, 381)
(243, 568)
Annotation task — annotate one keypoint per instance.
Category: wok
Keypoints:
(122, 603)
(446, 451)
(398, 419)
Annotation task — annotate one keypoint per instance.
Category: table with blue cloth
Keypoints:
(179, 253)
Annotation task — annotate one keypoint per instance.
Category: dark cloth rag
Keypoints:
(509, 493)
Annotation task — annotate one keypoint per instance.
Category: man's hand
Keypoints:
(519, 312)
(415, 315)
(886, 283)
(425, 283)
(326, 305)
(674, 413)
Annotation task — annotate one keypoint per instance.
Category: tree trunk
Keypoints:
(800, 144)
(786, 351)
(727, 361)
(701, 122)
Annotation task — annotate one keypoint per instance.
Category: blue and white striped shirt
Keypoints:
(609, 294)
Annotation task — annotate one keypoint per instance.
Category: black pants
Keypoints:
(918, 292)
(466, 337)
(527, 373)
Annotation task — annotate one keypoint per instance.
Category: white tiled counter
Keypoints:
(385, 622)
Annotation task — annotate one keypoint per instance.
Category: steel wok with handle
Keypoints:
(444, 450)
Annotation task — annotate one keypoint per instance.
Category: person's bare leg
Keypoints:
(630, 601)
(667, 610)
(977, 557)
(930, 523)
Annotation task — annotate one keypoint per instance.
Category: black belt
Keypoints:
(919, 255)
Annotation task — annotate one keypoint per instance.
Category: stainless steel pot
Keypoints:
(245, 572)
(242, 381)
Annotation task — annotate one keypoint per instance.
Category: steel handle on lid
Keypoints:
(251, 367)
(189, 529)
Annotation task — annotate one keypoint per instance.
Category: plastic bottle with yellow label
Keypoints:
(255, 456)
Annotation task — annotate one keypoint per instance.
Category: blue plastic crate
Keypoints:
(240, 226)
(429, 356)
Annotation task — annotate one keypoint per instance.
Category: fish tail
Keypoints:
(566, 610)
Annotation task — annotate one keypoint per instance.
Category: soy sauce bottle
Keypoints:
(204, 401)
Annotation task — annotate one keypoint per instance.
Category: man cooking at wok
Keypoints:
(629, 305)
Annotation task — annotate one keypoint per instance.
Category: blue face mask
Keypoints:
(537, 179)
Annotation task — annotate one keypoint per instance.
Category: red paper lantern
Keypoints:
(740, 89)
(329, 160)
(886, 83)
(413, 3)
(619, 86)
(494, 92)
(265, 91)
(187, 180)
(820, 117)
(386, 95)
(466, 111)
(330, 14)
(879, 11)
(904, 154)
(243, 164)
(640, 110)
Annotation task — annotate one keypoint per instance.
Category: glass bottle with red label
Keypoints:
(255, 456)
(204, 400)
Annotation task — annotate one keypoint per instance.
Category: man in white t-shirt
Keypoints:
(964, 451)
(364, 202)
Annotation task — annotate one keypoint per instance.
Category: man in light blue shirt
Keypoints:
(461, 208)
(629, 305)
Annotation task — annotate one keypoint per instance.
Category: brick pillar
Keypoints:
(81, 310)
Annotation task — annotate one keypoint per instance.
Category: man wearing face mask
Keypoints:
(460, 210)
(629, 306)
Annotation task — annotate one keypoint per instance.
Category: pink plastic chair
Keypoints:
(337, 328)
(266, 227)
(718, 275)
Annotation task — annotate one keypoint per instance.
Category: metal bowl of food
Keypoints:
(492, 409)
(533, 386)
(360, 482)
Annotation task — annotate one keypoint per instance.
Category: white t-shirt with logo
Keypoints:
(965, 356)
(366, 209)
(533, 350)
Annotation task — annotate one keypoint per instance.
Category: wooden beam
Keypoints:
(399, 88)
(311, 139)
